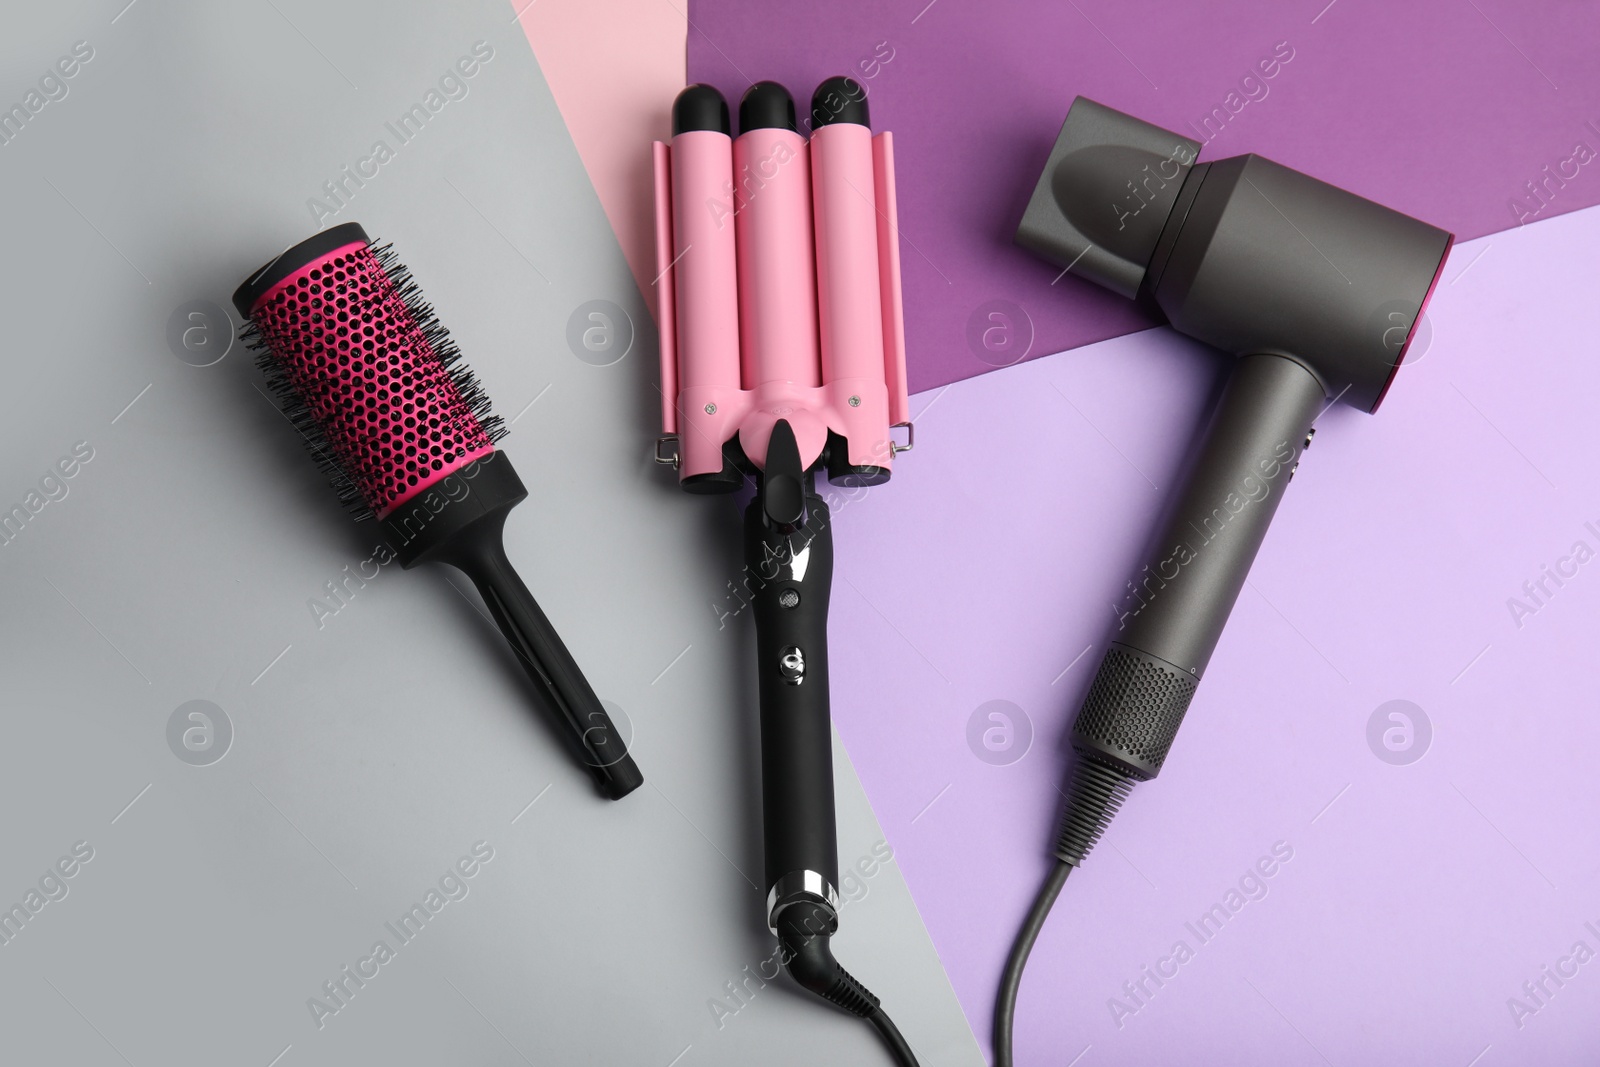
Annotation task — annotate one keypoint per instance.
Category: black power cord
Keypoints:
(891, 1037)
(803, 933)
(1005, 1005)
(1096, 793)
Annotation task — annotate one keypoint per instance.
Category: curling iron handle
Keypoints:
(792, 573)
(1176, 606)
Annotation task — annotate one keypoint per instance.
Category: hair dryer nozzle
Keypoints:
(1105, 195)
(1242, 253)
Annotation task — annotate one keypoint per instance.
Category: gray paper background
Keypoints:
(371, 753)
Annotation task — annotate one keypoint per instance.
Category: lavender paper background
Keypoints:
(1443, 109)
(1419, 897)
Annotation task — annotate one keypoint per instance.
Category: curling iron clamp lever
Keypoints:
(783, 489)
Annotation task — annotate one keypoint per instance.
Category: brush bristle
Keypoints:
(370, 377)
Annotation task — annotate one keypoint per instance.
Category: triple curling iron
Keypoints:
(782, 357)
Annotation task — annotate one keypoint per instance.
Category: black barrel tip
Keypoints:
(766, 106)
(700, 107)
(839, 99)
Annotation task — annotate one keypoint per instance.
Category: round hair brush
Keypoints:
(378, 391)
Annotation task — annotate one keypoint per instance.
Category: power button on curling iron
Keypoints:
(792, 665)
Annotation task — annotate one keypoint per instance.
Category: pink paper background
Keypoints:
(614, 67)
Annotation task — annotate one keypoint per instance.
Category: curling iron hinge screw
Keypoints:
(854, 401)
(711, 409)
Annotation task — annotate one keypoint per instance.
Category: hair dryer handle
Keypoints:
(1175, 607)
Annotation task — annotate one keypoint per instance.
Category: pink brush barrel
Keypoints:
(367, 368)
(819, 333)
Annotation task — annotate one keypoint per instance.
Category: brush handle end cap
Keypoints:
(291, 259)
(618, 779)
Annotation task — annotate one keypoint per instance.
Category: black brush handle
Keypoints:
(482, 557)
(460, 521)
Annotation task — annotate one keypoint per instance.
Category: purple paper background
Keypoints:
(1445, 110)
(1419, 897)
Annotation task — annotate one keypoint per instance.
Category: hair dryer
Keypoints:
(1317, 291)
(782, 354)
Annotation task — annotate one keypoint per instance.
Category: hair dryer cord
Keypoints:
(1005, 1005)
(1094, 794)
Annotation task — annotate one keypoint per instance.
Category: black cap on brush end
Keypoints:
(766, 106)
(700, 107)
(840, 99)
(292, 259)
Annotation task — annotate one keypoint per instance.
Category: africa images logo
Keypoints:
(453, 85)
(453, 885)
(1251, 490)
